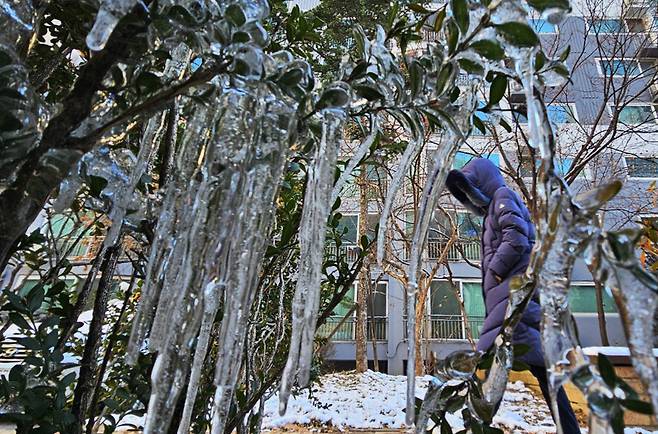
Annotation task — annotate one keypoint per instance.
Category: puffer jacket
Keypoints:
(508, 236)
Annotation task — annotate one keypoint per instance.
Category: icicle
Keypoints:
(413, 148)
(213, 293)
(431, 404)
(109, 14)
(636, 294)
(306, 302)
(359, 154)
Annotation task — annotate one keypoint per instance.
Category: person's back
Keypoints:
(508, 236)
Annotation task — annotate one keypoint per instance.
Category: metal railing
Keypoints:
(469, 247)
(376, 328)
(349, 250)
(448, 327)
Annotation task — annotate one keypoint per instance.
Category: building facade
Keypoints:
(606, 127)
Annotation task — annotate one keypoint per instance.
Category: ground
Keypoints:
(349, 401)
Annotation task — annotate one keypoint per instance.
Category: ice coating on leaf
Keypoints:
(107, 18)
(312, 234)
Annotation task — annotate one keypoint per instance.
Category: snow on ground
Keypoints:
(374, 400)
(611, 351)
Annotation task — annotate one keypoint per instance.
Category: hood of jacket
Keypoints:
(475, 184)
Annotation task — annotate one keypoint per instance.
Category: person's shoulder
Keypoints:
(506, 193)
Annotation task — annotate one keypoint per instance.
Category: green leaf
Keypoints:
(419, 8)
(359, 70)
(235, 15)
(540, 60)
(637, 406)
(452, 35)
(416, 75)
(147, 82)
(497, 89)
(11, 93)
(96, 185)
(542, 5)
(477, 123)
(519, 34)
(607, 370)
(460, 13)
(471, 67)
(488, 49)
(617, 421)
(29, 343)
(440, 18)
(443, 80)
(368, 92)
(292, 77)
(8, 122)
(565, 54)
(445, 427)
(35, 298)
(18, 319)
(505, 125)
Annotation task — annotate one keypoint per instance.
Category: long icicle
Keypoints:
(316, 211)
(360, 153)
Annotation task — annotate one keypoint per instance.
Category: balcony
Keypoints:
(467, 249)
(449, 327)
(349, 250)
(376, 329)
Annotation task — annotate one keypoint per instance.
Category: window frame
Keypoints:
(602, 73)
(640, 178)
(635, 104)
(590, 21)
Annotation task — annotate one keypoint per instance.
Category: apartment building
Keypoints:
(613, 88)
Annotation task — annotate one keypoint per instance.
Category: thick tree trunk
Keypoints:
(364, 281)
(421, 299)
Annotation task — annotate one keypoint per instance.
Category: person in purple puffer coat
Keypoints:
(508, 236)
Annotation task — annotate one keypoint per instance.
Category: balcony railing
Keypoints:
(469, 247)
(349, 250)
(448, 327)
(376, 329)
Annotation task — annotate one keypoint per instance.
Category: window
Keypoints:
(462, 158)
(484, 117)
(642, 167)
(474, 306)
(562, 166)
(444, 299)
(469, 226)
(377, 303)
(619, 67)
(349, 227)
(636, 114)
(543, 26)
(582, 299)
(561, 113)
(607, 25)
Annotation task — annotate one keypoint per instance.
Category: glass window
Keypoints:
(619, 67)
(474, 307)
(642, 167)
(349, 227)
(543, 26)
(377, 302)
(636, 114)
(462, 158)
(345, 304)
(469, 225)
(582, 299)
(443, 298)
(561, 113)
(607, 25)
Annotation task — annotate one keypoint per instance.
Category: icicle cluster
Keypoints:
(23, 114)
